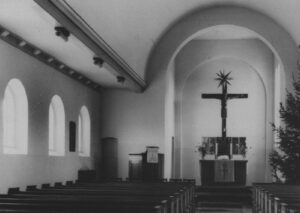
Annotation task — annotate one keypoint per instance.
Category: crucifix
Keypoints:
(224, 80)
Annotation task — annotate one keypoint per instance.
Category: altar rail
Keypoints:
(276, 198)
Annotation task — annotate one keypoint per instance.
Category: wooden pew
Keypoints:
(83, 202)
(90, 198)
(274, 198)
(188, 195)
(110, 197)
(83, 206)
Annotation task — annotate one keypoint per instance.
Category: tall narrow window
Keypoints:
(56, 127)
(84, 132)
(15, 118)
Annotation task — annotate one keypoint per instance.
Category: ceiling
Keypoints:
(129, 27)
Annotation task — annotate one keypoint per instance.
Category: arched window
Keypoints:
(56, 127)
(15, 118)
(84, 132)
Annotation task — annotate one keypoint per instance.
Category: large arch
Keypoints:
(186, 29)
(190, 26)
(191, 111)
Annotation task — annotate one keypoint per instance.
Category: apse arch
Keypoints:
(190, 26)
(190, 59)
(162, 57)
(196, 115)
(181, 83)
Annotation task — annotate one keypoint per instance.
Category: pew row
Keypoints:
(276, 198)
(110, 197)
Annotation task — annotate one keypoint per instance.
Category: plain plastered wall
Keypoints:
(41, 83)
(136, 119)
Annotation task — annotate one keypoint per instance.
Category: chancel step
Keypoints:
(223, 199)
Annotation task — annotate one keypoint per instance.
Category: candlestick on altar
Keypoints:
(217, 146)
(230, 157)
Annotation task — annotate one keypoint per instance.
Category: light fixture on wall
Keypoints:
(121, 79)
(98, 61)
(62, 32)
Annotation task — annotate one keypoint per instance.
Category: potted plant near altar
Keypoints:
(243, 150)
(201, 150)
(239, 148)
(207, 149)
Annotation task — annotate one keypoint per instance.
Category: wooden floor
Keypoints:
(222, 199)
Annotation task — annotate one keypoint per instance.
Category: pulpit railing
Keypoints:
(214, 146)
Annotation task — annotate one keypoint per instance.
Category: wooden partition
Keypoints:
(109, 168)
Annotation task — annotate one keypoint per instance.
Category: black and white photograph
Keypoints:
(150, 106)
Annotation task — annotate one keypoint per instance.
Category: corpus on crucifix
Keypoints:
(224, 81)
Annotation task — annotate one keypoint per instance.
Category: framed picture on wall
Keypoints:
(72, 136)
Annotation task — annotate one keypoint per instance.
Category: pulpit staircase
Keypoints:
(223, 198)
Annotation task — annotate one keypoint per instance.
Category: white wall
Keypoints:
(42, 82)
(139, 120)
(202, 117)
(251, 66)
(136, 119)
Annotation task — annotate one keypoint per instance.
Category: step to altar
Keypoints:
(223, 199)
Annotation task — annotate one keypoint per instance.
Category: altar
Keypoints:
(212, 174)
(226, 169)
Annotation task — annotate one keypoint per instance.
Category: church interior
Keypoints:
(140, 90)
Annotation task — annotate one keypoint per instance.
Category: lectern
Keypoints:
(143, 166)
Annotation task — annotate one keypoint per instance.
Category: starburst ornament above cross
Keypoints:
(224, 80)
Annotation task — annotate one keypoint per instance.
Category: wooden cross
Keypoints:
(224, 96)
